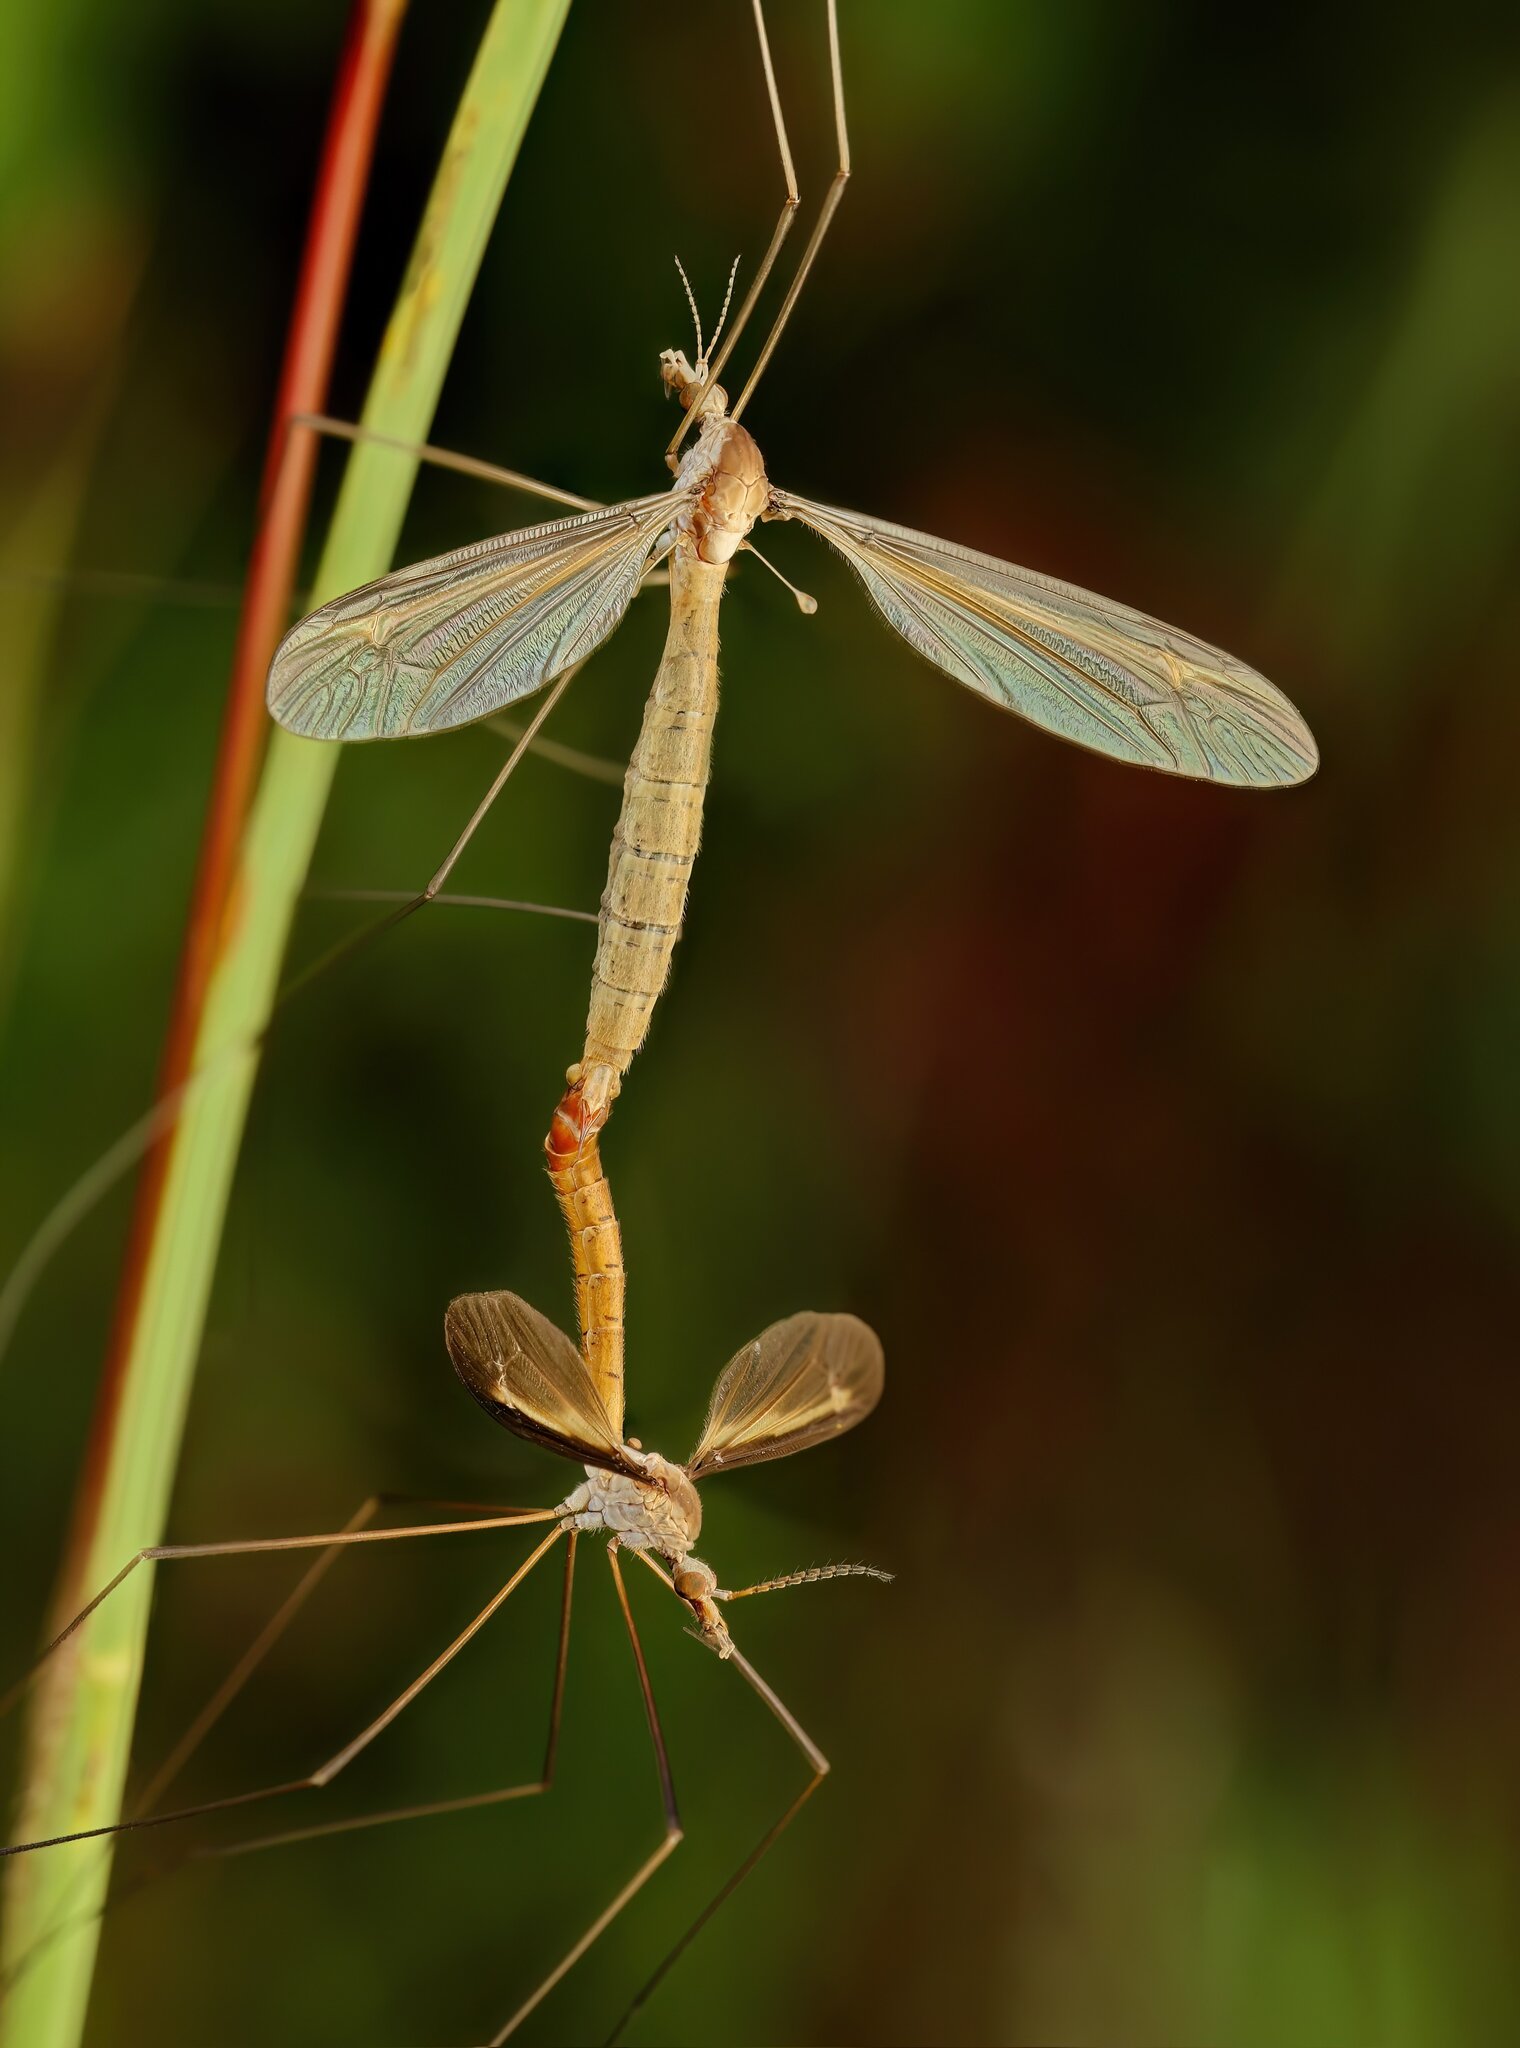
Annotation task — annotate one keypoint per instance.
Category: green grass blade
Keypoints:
(83, 1712)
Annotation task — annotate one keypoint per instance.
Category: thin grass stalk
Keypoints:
(342, 178)
(82, 1719)
(284, 501)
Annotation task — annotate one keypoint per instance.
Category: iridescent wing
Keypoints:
(454, 639)
(802, 1381)
(1081, 666)
(530, 1378)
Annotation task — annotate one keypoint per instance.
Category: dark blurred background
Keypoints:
(1168, 1137)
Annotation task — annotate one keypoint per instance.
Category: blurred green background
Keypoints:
(1169, 1138)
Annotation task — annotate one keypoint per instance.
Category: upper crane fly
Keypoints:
(455, 639)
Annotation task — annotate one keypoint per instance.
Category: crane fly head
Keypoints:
(697, 1584)
(691, 380)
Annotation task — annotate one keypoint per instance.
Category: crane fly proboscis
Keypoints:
(804, 1380)
(454, 639)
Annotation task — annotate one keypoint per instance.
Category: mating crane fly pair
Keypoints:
(455, 639)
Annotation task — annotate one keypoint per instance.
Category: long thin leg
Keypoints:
(211, 1713)
(831, 200)
(222, 1698)
(325, 1772)
(452, 902)
(465, 1802)
(651, 1864)
(275, 1627)
(779, 233)
(818, 1764)
(441, 458)
(410, 905)
(595, 767)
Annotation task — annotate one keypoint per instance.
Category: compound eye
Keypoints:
(695, 1581)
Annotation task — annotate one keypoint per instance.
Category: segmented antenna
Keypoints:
(727, 301)
(696, 317)
(705, 348)
(810, 1577)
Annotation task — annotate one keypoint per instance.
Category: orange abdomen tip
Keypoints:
(571, 1128)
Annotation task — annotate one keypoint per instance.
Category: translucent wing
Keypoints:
(454, 639)
(530, 1378)
(802, 1381)
(1084, 668)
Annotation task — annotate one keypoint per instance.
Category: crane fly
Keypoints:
(801, 1382)
(451, 640)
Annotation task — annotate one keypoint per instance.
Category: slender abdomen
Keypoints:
(657, 832)
(596, 1243)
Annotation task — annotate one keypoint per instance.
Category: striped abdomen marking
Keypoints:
(657, 832)
(596, 1244)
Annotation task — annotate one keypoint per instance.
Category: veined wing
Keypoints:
(454, 639)
(802, 1381)
(1081, 666)
(530, 1378)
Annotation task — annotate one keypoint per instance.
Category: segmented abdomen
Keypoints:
(657, 832)
(596, 1243)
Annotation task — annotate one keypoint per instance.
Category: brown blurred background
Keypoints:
(1169, 1138)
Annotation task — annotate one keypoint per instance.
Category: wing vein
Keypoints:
(1095, 672)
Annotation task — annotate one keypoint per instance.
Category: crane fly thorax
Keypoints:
(722, 468)
(660, 1512)
(726, 472)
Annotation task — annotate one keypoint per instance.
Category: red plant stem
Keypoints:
(285, 496)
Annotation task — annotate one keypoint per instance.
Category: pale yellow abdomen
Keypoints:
(658, 831)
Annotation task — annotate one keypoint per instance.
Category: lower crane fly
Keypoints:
(804, 1380)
